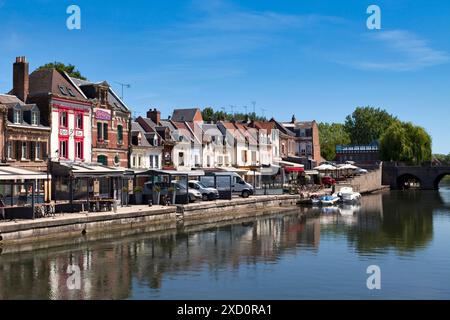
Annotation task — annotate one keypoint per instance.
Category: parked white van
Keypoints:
(238, 185)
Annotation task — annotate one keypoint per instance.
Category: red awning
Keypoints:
(294, 169)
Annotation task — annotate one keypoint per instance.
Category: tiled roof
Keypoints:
(46, 81)
(184, 114)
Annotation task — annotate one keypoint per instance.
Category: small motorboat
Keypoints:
(348, 195)
(329, 200)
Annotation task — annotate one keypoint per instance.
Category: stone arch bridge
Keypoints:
(428, 176)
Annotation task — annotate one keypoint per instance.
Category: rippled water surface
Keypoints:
(280, 256)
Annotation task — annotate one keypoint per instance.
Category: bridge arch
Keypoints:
(406, 180)
(439, 178)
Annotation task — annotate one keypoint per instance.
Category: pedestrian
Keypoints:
(2, 207)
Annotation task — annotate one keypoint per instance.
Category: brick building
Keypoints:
(63, 108)
(111, 120)
(23, 137)
(307, 141)
(2, 130)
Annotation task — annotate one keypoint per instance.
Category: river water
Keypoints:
(280, 256)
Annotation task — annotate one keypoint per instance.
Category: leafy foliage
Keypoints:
(330, 135)
(70, 69)
(404, 141)
(444, 158)
(209, 114)
(367, 124)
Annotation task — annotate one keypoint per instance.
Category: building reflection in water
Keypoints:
(111, 269)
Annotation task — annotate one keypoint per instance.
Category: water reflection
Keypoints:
(400, 222)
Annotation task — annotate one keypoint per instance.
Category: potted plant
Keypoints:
(157, 193)
(138, 195)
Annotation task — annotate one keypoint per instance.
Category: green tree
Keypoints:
(403, 141)
(70, 69)
(331, 135)
(367, 124)
(444, 158)
(208, 114)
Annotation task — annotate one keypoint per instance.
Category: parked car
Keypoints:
(328, 181)
(238, 185)
(207, 193)
(193, 194)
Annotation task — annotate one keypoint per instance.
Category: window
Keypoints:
(103, 97)
(253, 156)
(102, 160)
(79, 149)
(134, 161)
(17, 117)
(79, 121)
(9, 150)
(156, 161)
(62, 90)
(116, 160)
(99, 131)
(63, 150)
(34, 118)
(63, 119)
(139, 161)
(181, 158)
(70, 92)
(120, 134)
(38, 151)
(24, 150)
(105, 131)
(102, 131)
(151, 162)
(244, 155)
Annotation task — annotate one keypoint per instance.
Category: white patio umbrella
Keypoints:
(325, 167)
(347, 167)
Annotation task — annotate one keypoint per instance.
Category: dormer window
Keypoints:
(103, 97)
(35, 118)
(17, 116)
(62, 90)
(70, 92)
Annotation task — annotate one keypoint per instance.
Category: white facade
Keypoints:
(67, 132)
(181, 156)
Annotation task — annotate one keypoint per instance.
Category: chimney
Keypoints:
(20, 79)
(154, 115)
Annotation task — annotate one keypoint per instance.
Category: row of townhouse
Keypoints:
(184, 141)
(49, 115)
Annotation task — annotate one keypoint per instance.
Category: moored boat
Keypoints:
(348, 195)
(329, 200)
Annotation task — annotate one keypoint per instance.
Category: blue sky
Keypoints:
(315, 59)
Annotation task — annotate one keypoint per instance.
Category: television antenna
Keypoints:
(123, 85)
(254, 107)
(263, 111)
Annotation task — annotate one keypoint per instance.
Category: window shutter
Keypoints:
(44, 150)
(32, 150)
(18, 150)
